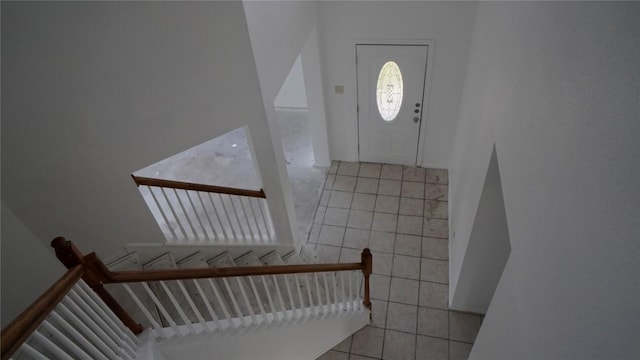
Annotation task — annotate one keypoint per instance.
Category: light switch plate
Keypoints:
(339, 89)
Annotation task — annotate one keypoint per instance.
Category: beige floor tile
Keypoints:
(356, 238)
(331, 235)
(379, 287)
(391, 172)
(370, 170)
(411, 225)
(340, 199)
(463, 327)
(407, 267)
(404, 291)
(382, 241)
(433, 322)
(412, 173)
(344, 346)
(360, 219)
(389, 187)
(436, 209)
(382, 263)
(437, 176)
(363, 202)
(408, 245)
(430, 348)
(367, 185)
(336, 217)
(348, 168)
(387, 204)
(434, 295)
(402, 317)
(412, 189)
(368, 341)
(378, 313)
(345, 183)
(434, 271)
(436, 192)
(384, 222)
(411, 206)
(437, 228)
(459, 350)
(399, 346)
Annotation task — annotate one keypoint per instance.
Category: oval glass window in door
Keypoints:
(389, 91)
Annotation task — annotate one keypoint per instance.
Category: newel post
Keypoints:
(367, 268)
(95, 274)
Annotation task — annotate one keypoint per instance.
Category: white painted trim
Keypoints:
(431, 44)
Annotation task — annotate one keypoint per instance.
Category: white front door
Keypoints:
(390, 101)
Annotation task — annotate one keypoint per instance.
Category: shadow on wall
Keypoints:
(488, 250)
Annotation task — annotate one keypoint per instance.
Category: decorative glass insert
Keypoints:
(389, 91)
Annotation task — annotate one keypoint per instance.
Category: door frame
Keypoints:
(430, 44)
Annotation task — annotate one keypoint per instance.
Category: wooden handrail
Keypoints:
(14, 334)
(139, 180)
(182, 274)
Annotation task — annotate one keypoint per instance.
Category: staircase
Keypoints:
(221, 306)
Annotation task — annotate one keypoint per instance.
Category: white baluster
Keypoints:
(221, 301)
(182, 211)
(163, 212)
(183, 234)
(89, 322)
(262, 225)
(246, 301)
(162, 309)
(197, 217)
(29, 350)
(213, 314)
(225, 235)
(156, 326)
(83, 328)
(177, 306)
(269, 298)
(210, 234)
(311, 304)
(293, 304)
(302, 307)
(284, 309)
(259, 300)
(234, 302)
(79, 338)
(109, 330)
(114, 322)
(50, 345)
(344, 294)
(193, 306)
(59, 336)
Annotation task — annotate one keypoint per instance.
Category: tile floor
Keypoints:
(401, 214)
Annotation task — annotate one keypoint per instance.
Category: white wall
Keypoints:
(28, 266)
(96, 90)
(292, 93)
(556, 85)
(278, 31)
(311, 67)
(342, 23)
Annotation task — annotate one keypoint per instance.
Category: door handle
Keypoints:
(416, 119)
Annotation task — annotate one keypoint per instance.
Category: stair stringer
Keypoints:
(294, 341)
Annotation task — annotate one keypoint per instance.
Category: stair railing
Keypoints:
(207, 214)
(68, 321)
(71, 321)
